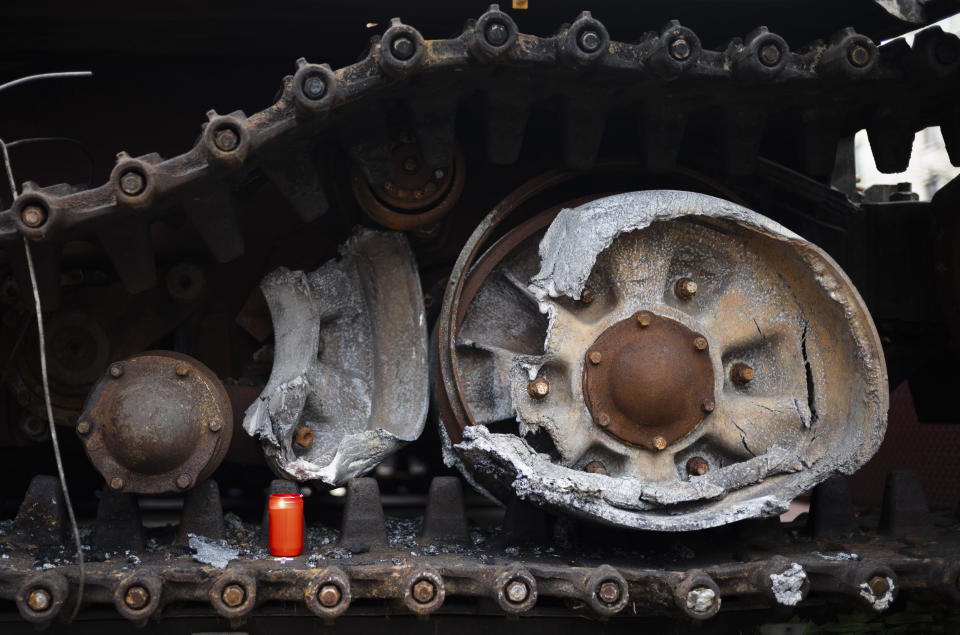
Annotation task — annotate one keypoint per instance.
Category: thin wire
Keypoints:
(43, 346)
(34, 78)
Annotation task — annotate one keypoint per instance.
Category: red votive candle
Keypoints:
(286, 525)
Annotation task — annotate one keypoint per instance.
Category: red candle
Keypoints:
(286, 525)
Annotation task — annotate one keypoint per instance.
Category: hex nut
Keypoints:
(587, 296)
(182, 370)
(33, 215)
(496, 34)
(403, 47)
(538, 388)
(700, 343)
(680, 49)
(517, 591)
(116, 371)
(609, 592)
(741, 374)
(697, 466)
(226, 139)
(685, 288)
(215, 425)
(770, 54)
(303, 437)
(859, 55)
(644, 319)
(136, 597)
(424, 591)
(184, 481)
(116, 483)
(132, 183)
(659, 442)
(313, 86)
(233, 595)
(329, 595)
(83, 427)
(39, 600)
(879, 585)
(596, 357)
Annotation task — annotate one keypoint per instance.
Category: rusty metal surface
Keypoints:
(332, 412)
(646, 382)
(815, 405)
(156, 423)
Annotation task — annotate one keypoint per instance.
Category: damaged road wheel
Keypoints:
(661, 360)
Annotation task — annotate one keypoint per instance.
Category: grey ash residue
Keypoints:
(216, 553)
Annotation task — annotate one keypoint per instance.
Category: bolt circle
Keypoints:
(226, 139)
(184, 481)
(517, 591)
(588, 41)
(496, 34)
(136, 597)
(33, 215)
(314, 87)
(700, 343)
(424, 591)
(329, 595)
(697, 466)
(116, 371)
(538, 388)
(116, 483)
(596, 357)
(680, 49)
(39, 600)
(770, 54)
(403, 47)
(132, 183)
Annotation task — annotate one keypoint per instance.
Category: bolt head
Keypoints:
(39, 600)
(182, 370)
(116, 371)
(83, 427)
(603, 420)
(700, 343)
(424, 591)
(33, 215)
(708, 406)
(303, 437)
(329, 595)
(741, 374)
(538, 388)
(132, 183)
(184, 481)
(595, 467)
(596, 357)
(589, 41)
(659, 442)
(116, 483)
(403, 47)
(314, 87)
(644, 319)
(215, 425)
(680, 49)
(233, 595)
(685, 288)
(587, 296)
(438, 174)
(411, 165)
(859, 55)
(136, 597)
(697, 466)
(696, 599)
(496, 34)
(879, 585)
(517, 591)
(609, 592)
(226, 139)
(770, 54)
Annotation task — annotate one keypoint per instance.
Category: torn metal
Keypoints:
(349, 380)
(814, 406)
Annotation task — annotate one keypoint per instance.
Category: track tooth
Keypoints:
(831, 509)
(41, 519)
(583, 124)
(435, 123)
(445, 519)
(363, 521)
(892, 145)
(741, 133)
(202, 513)
(363, 138)
(128, 245)
(118, 526)
(661, 135)
(297, 176)
(950, 128)
(215, 218)
(277, 486)
(506, 122)
(904, 505)
(46, 263)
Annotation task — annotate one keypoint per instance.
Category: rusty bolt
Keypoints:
(33, 215)
(116, 483)
(116, 371)
(741, 374)
(314, 87)
(303, 437)
(39, 600)
(132, 182)
(680, 49)
(659, 442)
(587, 295)
(859, 55)
(182, 370)
(604, 420)
(215, 425)
(411, 165)
(609, 592)
(595, 467)
(538, 388)
(403, 47)
(136, 597)
(496, 34)
(770, 54)
(879, 585)
(697, 466)
(438, 174)
(233, 595)
(708, 406)
(424, 591)
(700, 343)
(329, 595)
(226, 139)
(83, 427)
(596, 357)
(589, 41)
(644, 319)
(184, 481)
(685, 288)
(517, 591)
